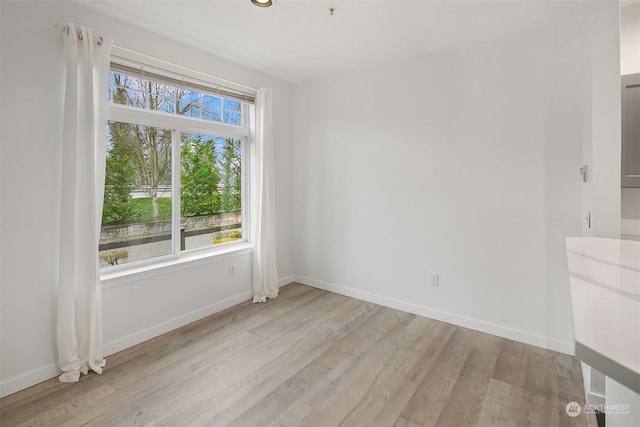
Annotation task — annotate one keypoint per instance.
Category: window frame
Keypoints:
(178, 124)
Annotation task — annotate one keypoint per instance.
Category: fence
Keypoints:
(120, 236)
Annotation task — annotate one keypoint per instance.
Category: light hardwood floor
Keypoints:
(314, 358)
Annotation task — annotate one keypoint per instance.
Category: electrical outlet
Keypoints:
(232, 270)
(435, 280)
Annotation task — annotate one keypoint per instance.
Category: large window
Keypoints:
(175, 170)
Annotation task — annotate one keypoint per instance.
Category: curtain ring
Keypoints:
(80, 35)
(100, 41)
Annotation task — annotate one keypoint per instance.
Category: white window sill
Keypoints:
(109, 279)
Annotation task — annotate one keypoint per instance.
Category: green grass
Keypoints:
(142, 210)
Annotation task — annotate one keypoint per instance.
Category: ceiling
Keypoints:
(298, 40)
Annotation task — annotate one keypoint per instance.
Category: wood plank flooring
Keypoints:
(314, 358)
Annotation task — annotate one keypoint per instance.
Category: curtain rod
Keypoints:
(100, 41)
(190, 70)
(65, 28)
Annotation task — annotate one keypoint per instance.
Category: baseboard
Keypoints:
(169, 325)
(443, 316)
(286, 280)
(50, 371)
(34, 377)
(630, 227)
(156, 330)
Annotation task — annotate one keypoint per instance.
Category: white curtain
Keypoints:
(79, 328)
(265, 275)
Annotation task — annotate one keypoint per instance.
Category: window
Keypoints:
(175, 169)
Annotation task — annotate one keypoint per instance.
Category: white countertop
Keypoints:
(605, 296)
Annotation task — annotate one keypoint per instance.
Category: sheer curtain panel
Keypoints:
(265, 274)
(84, 136)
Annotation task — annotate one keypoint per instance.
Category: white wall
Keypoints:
(602, 152)
(630, 64)
(630, 39)
(462, 163)
(32, 97)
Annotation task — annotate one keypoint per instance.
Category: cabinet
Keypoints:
(631, 130)
(604, 281)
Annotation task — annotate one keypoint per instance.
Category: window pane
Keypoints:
(232, 112)
(137, 213)
(189, 104)
(211, 108)
(210, 194)
(152, 95)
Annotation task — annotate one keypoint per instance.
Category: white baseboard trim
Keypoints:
(286, 280)
(169, 325)
(630, 227)
(50, 371)
(47, 372)
(443, 316)
(156, 330)
(34, 377)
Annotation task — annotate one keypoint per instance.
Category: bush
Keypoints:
(119, 179)
(116, 257)
(138, 211)
(225, 240)
(227, 236)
